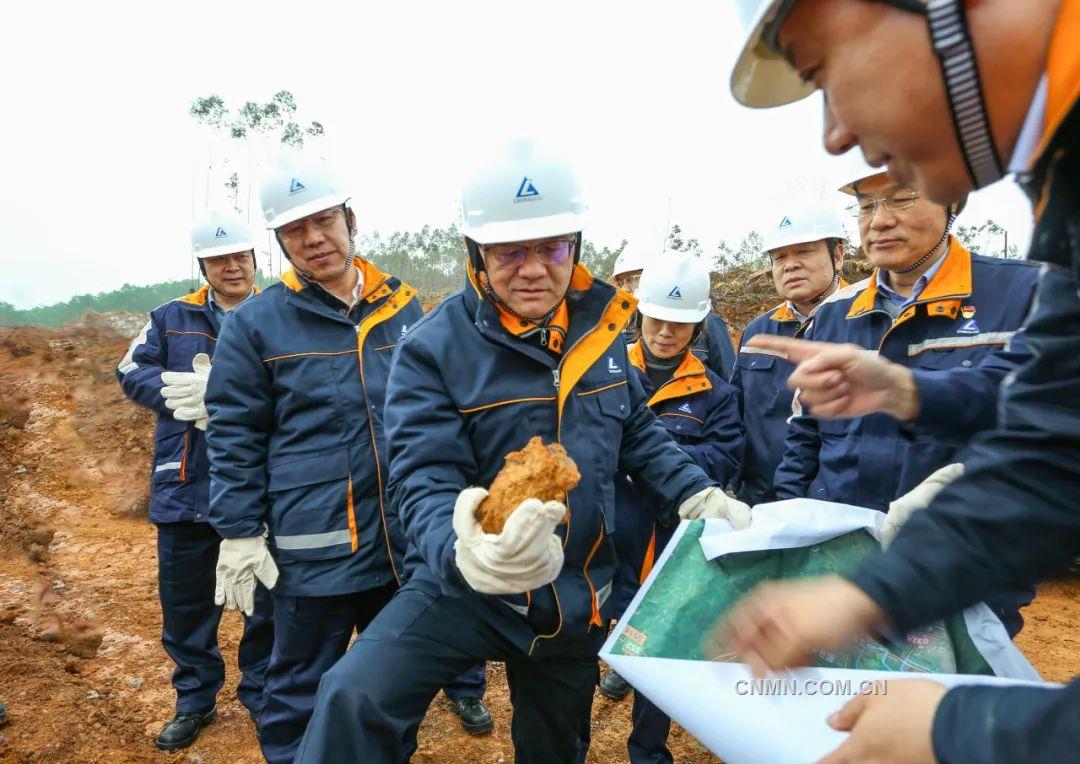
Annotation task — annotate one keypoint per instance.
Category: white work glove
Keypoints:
(185, 391)
(240, 562)
(714, 503)
(525, 556)
(917, 498)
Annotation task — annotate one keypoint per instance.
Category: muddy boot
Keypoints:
(475, 718)
(183, 730)
(614, 686)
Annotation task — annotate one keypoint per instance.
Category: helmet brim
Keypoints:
(526, 230)
(226, 249)
(678, 315)
(761, 78)
(296, 213)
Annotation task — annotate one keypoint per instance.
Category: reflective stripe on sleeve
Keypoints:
(313, 540)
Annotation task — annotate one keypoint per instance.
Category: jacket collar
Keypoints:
(689, 376)
(784, 311)
(952, 283)
(201, 297)
(374, 280)
(589, 301)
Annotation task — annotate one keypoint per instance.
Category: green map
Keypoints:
(677, 616)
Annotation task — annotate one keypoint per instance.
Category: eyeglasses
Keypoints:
(865, 208)
(320, 221)
(549, 252)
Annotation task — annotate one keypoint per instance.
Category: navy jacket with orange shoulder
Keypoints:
(464, 392)
(176, 332)
(296, 431)
(966, 317)
(761, 379)
(701, 414)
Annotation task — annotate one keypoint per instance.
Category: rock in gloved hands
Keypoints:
(917, 498)
(524, 556)
(714, 503)
(537, 471)
(185, 391)
(240, 562)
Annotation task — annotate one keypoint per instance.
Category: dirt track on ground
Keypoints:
(78, 578)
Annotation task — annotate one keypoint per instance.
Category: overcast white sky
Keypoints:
(103, 166)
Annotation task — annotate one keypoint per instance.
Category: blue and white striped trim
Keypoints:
(313, 540)
(967, 341)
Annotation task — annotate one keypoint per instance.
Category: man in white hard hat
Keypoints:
(296, 444)
(1009, 518)
(806, 250)
(712, 345)
(531, 347)
(166, 369)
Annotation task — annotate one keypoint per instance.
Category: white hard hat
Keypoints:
(632, 258)
(297, 187)
(523, 193)
(674, 287)
(804, 222)
(762, 77)
(857, 171)
(217, 233)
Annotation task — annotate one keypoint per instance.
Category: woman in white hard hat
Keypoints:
(712, 344)
(701, 413)
(166, 369)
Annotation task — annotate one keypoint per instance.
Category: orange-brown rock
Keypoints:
(535, 472)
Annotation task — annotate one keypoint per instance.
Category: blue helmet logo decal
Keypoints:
(526, 189)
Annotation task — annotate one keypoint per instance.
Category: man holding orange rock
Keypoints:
(532, 346)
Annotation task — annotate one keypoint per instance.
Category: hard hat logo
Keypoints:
(526, 191)
(220, 233)
(296, 186)
(675, 293)
(785, 222)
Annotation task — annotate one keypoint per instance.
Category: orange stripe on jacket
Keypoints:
(951, 283)
(689, 376)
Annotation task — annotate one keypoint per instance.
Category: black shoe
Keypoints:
(475, 718)
(3, 714)
(614, 686)
(183, 730)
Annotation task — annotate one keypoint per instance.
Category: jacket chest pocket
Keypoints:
(609, 407)
(762, 388)
(682, 426)
(312, 516)
(952, 353)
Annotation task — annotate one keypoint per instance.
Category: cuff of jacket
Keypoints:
(995, 725)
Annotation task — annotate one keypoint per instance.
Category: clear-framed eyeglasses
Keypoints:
(320, 221)
(549, 252)
(866, 206)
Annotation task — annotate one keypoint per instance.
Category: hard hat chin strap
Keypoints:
(950, 38)
(942, 242)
